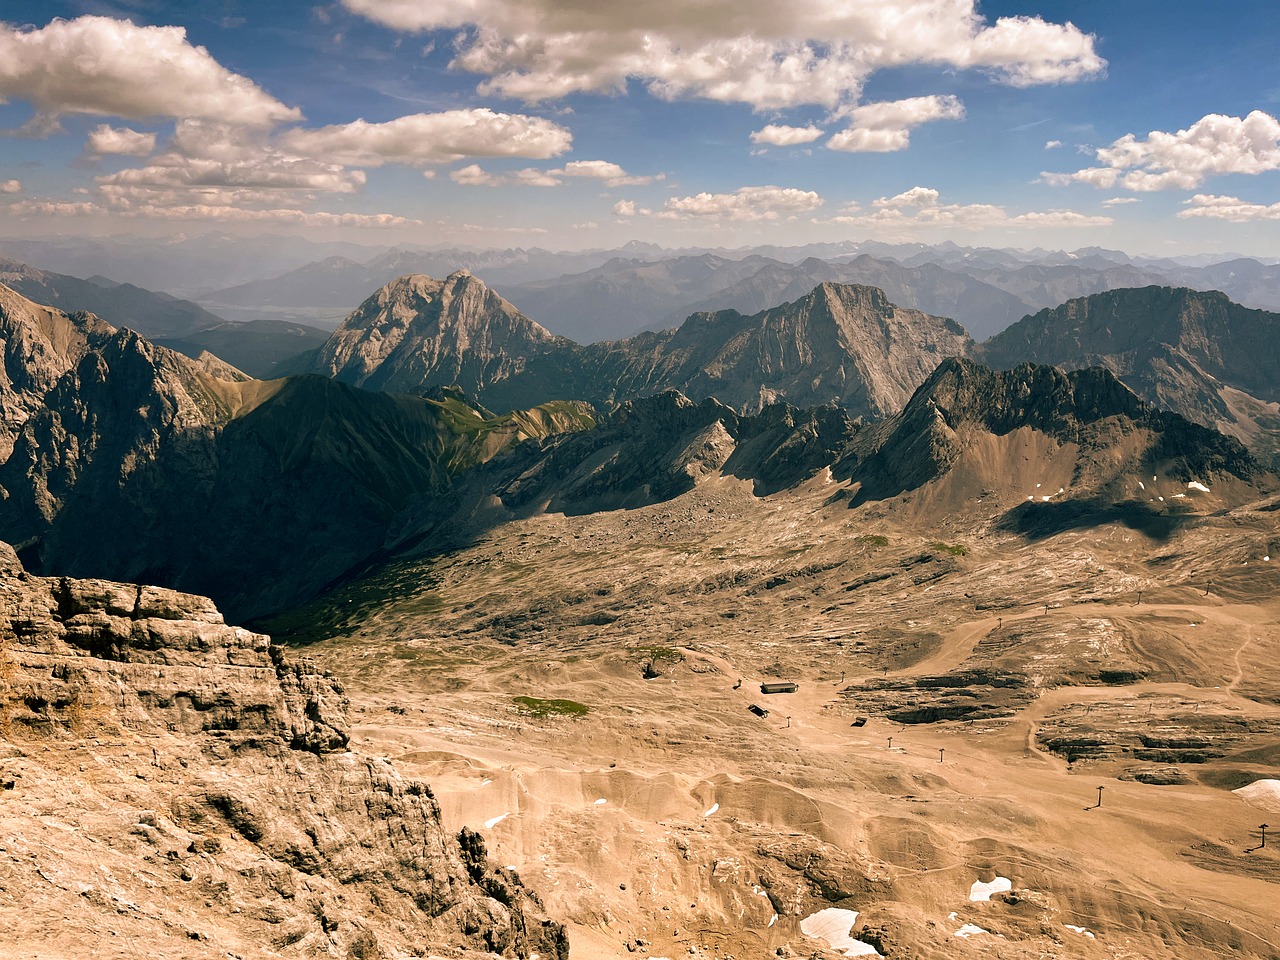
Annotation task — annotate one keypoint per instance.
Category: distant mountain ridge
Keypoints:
(120, 304)
(839, 343)
(257, 347)
(1198, 353)
(609, 294)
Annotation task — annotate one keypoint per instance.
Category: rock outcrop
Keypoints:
(217, 809)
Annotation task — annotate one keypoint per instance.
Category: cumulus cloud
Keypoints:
(921, 207)
(886, 127)
(106, 140)
(1119, 201)
(1052, 144)
(105, 67)
(611, 174)
(427, 138)
(747, 204)
(915, 197)
(10, 186)
(215, 165)
(1215, 144)
(476, 176)
(758, 52)
(777, 135)
(1231, 209)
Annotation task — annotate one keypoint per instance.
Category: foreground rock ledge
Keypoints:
(173, 786)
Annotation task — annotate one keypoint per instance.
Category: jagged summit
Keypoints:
(417, 332)
(1008, 431)
(840, 342)
(1195, 352)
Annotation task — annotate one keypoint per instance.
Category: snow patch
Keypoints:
(712, 809)
(969, 930)
(490, 824)
(1197, 485)
(1081, 930)
(982, 891)
(601, 802)
(1261, 793)
(833, 925)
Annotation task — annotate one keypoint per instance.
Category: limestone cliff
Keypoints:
(178, 787)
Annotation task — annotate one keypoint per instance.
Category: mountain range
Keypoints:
(132, 461)
(255, 346)
(604, 295)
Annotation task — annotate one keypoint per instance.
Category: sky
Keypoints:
(1139, 125)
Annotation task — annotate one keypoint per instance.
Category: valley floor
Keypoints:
(1002, 681)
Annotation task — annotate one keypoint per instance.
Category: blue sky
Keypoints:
(569, 123)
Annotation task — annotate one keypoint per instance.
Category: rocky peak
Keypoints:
(417, 332)
(965, 408)
(39, 345)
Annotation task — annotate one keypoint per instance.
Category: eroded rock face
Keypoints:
(37, 346)
(262, 827)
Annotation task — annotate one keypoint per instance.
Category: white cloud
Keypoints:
(10, 186)
(920, 207)
(1119, 201)
(476, 176)
(50, 208)
(759, 52)
(426, 138)
(613, 175)
(886, 127)
(1213, 145)
(214, 165)
(105, 67)
(1231, 209)
(106, 140)
(1052, 144)
(778, 135)
(610, 173)
(915, 197)
(747, 204)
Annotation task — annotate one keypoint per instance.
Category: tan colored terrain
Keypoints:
(671, 821)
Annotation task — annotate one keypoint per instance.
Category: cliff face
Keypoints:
(217, 809)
